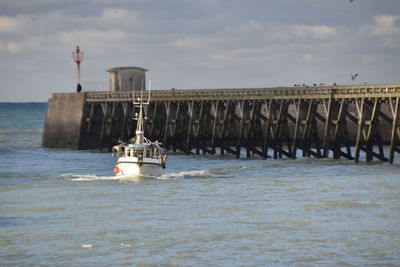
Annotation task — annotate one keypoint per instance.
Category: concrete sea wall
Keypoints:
(63, 123)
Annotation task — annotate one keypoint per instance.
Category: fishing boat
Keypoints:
(139, 156)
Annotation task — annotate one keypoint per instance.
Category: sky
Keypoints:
(193, 44)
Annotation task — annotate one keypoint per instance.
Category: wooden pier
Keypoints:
(329, 121)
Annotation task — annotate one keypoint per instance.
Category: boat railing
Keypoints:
(153, 152)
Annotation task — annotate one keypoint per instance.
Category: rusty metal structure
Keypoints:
(328, 121)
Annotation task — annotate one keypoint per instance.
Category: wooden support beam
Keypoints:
(172, 111)
(394, 139)
(307, 125)
(297, 106)
(258, 152)
(190, 113)
(249, 115)
(283, 152)
(326, 140)
(278, 129)
(372, 153)
(215, 108)
(290, 117)
(206, 150)
(230, 150)
(320, 117)
(240, 105)
(266, 137)
(152, 119)
(339, 125)
(200, 119)
(346, 155)
(222, 127)
(89, 120)
(368, 125)
(360, 109)
(167, 106)
(372, 125)
(110, 125)
(104, 108)
(124, 118)
(351, 117)
(313, 153)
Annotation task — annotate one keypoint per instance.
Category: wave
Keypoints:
(164, 176)
(87, 177)
(215, 173)
(185, 174)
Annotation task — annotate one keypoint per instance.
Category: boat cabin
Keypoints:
(138, 150)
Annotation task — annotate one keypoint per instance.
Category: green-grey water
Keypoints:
(65, 208)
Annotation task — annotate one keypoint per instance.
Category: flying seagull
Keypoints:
(354, 76)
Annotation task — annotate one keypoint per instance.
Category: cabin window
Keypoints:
(148, 153)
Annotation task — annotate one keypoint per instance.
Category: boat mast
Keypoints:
(139, 138)
(139, 126)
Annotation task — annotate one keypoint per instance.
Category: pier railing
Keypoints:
(254, 93)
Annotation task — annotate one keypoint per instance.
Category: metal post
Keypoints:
(78, 58)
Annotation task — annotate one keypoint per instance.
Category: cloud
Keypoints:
(191, 42)
(118, 16)
(251, 26)
(58, 30)
(244, 56)
(316, 31)
(385, 26)
(254, 43)
(109, 18)
(11, 47)
(223, 42)
(385, 29)
(249, 52)
(99, 41)
(14, 24)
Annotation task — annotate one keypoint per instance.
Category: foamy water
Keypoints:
(66, 208)
(163, 176)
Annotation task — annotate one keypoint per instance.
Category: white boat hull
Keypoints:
(130, 166)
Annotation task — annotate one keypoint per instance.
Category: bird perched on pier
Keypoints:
(354, 76)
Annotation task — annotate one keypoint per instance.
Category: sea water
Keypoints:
(65, 208)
